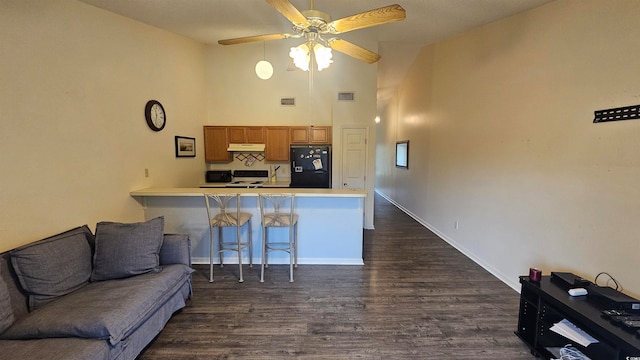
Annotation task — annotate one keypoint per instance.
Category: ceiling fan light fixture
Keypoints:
(300, 55)
(323, 56)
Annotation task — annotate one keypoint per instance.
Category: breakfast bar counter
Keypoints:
(330, 228)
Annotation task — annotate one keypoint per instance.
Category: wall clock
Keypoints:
(154, 113)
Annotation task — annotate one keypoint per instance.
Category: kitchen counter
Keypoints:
(330, 229)
(250, 192)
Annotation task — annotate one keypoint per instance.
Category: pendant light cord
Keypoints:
(311, 76)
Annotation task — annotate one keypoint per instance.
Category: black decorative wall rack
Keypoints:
(616, 114)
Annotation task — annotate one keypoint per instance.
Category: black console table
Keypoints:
(544, 303)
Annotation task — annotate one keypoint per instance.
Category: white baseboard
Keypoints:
(281, 261)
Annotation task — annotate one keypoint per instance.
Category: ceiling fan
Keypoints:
(313, 25)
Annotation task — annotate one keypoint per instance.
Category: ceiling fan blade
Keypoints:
(247, 39)
(289, 11)
(369, 18)
(354, 50)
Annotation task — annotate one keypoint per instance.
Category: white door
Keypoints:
(354, 158)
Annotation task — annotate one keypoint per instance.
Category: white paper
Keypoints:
(573, 333)
(317, 164)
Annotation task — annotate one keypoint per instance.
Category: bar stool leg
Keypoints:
(239, 251)
(291, 253)
(295, 243)
(211, 254)
(250, 245)
(220, 242)
(264, 252)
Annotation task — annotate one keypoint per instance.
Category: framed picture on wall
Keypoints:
(402, 154)
(185, 146)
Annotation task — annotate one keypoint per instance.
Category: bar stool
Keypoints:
(274, 212)
(228, 215)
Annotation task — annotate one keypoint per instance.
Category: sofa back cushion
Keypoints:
(6, 311)
(124, 250)
(53, 267)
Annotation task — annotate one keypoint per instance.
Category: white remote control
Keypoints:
(578, 292)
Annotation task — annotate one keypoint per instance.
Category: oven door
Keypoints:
(243, 184)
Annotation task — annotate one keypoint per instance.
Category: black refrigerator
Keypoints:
(310, 166)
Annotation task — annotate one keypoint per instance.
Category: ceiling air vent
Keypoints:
(346, 96)
(288, 101)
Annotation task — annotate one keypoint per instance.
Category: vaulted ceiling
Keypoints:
(427, 21)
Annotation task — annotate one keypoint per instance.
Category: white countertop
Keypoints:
(176, 192)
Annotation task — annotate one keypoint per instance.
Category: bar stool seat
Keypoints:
(228, 215)
(277, 211)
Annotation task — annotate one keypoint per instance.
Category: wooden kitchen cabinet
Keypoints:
(246, 134)
(216, 142)
(299, 134)
(255, 134)
(276, 143)
(237, 134)
(320, 135)
(310, 134)
(277, 139)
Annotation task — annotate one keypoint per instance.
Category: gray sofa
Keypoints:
(82, 296)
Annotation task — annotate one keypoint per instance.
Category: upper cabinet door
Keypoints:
(320, 135)
(216, 142)
(299, 134)
(254, 134)
(237, 134)
(277, 143)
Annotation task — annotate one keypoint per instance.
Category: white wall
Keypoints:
(502, 142)
(73, 139)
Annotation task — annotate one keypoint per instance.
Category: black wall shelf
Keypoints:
(616, 114)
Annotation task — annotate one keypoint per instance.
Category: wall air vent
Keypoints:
(346, 96)
(288, 101)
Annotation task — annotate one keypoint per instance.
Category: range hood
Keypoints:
(246, 147)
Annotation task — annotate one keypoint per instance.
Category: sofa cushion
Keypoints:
(109, 310)
(124, 250)
(53, 267)
(6, 313)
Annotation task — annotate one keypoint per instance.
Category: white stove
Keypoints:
(248, 179)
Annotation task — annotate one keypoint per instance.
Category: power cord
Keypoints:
(570, 353)
(618, 287)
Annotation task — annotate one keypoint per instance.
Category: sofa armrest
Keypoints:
(176, 249)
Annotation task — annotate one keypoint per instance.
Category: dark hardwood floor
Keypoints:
(416, 297)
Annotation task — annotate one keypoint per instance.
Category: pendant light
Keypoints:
(264, 70)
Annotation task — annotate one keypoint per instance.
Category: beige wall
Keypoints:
(502, 142)
(75, 79)
(73, 139)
